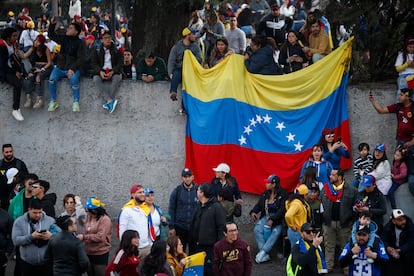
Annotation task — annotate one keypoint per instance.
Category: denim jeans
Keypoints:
(266, 245)
(293, 236)
(176, 79)
(58, 74)
(391, 195)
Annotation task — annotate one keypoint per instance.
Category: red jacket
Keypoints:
(123, 264)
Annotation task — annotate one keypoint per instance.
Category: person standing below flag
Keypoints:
(183, 202)
(333, 150)
(232, 254)
(337, 198)
(323, 167)
(207, 226)
(157, 221)
(134, 217)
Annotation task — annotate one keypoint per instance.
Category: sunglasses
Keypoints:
(310, 232)
(330, 135)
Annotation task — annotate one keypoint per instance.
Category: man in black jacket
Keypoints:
(207, 225)
(398, 238)
(107, 63)
(65, 250)
(6, 244)
(68, 62)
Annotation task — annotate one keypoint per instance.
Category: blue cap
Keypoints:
(186, 171)
(147, 191)
(367, 181)
(380, 147)
(93, 203)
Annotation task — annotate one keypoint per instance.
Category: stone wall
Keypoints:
(96, 153)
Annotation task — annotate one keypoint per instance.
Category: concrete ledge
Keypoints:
(93, 152)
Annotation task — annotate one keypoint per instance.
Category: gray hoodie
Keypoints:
(175, 59)
(22, 237)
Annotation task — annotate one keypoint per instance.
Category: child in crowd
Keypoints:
(398, 174)
(362, 165)
(365, 220)
(316, 205)
(381, 169)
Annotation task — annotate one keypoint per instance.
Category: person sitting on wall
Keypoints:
(151, 68)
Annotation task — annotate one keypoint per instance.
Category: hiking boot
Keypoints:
(75, 107)
(112, 106)
(38, 103)
(52, 106)
(17, 115)
(28, 101)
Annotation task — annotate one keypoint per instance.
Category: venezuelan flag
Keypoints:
(259, 124)
(194, 265)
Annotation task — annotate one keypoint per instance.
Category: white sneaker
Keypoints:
(259, 256)
(265, 258)
(17, 115)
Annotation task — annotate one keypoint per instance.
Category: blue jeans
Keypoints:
(176, 79)
(293, 236)
(391, 195)
(266, 245)
(58, 74)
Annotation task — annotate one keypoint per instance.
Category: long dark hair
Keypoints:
(99, 212)
(129, 249)
(378, 161)
(155, 262)
(172, 242)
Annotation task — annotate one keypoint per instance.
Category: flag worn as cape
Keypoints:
(260, 124)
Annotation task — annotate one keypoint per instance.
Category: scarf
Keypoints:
(320, 258)
(333, 193)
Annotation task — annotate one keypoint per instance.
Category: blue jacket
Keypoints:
(261, 62)
(181, 208)
(335, 157)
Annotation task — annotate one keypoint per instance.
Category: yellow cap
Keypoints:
(30, 25)
(10, 14)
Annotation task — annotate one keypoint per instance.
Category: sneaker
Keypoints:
(265, 258)
(17, 115)
(105, 105)
(38, 103)
(28, 101)
(75, 107)
(259, 256)
(52, 106)
(112, 106)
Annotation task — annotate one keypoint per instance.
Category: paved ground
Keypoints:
(273, 267)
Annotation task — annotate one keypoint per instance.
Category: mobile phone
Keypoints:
(339, 139)
(42, 231)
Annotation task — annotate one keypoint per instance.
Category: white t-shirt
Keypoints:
(399, 61)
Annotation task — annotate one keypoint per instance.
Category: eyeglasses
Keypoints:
(310, 232)
(330, 135)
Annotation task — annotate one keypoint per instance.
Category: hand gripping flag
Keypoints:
(194, 265)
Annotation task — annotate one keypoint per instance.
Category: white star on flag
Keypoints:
(247, 130)
(298, 146)
(259, 119)
(291, 137)
(242, 140)
(266, 119)
(253, 122)
(280, 125)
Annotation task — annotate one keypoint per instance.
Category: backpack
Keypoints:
(292, 270)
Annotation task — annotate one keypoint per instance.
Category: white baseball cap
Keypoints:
(10, 174)
(223, 167)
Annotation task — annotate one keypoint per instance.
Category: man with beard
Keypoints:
(183, 201)
(134, 216)
(359, 265)
(398, 237)
(9, 161)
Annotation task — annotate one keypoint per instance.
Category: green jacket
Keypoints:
(16, 205)
(158, 70)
